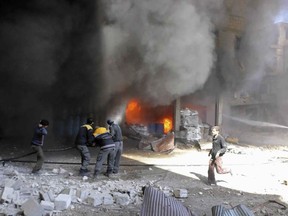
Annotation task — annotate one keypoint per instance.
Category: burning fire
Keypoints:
(133, 112)
(167, 124)
(137, 113)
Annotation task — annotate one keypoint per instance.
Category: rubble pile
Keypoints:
(57, 190)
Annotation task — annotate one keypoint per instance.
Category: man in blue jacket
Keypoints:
(37, 142)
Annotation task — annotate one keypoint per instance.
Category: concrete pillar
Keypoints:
(177, 116)
(218, 110)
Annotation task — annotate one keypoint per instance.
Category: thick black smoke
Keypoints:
(66, 60)
(49, 61)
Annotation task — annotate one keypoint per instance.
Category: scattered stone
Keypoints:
(121, 199)
(107, 199)
(47, 205)
(7, 194)
(62, 201)
(32, 208)
(181, 193)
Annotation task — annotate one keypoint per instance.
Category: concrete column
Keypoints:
(177, 116)
(219, 110)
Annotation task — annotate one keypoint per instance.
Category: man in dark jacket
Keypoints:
(37, 143)
(103, 139)
(84, 139)
(219, 148)
(116, 133)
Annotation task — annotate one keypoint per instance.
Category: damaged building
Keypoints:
(166, 71)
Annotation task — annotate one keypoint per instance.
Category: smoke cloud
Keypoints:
(71, 59)
(159, 50)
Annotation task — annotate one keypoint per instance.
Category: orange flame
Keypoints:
(138, 113)
(133, 112)
(167, 125)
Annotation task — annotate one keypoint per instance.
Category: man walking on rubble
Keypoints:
(37, 142)
(116, 133)
(84, 139)
(219, 147)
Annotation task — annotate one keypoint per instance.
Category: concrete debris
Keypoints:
(47, 205)
(32, 208)
(7, 194)
(163, 144)
(121, 199)
(107, 199)
(181, 193)
(47, 195)
(62, 201)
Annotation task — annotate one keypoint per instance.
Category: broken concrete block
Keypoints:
(121, 199)
(18, 199)
(74, 193)
(94, 199)
(44, 196)
(51, 196)
(98, 200)
(26, 192)
(84, 194)
(7, 194)
(32, 208)
(10, 211)
(181, 193)
(132, 193)
(14, 183)
(107, 199)
(47, 205)
(167, 191)
(66, 191)
(62, 201)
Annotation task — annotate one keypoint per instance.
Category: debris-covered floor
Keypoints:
(259, 181)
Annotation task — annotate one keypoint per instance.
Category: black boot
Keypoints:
(84, 172)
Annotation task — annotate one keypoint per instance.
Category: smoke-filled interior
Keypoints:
(71, 59)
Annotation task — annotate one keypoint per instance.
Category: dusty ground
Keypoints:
(258, 177)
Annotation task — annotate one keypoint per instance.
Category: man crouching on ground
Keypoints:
(103, 139)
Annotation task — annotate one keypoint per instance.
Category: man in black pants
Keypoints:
(116, 133)
(37, 143)
(84, 139)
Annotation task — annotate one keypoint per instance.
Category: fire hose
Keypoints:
(31, 153)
